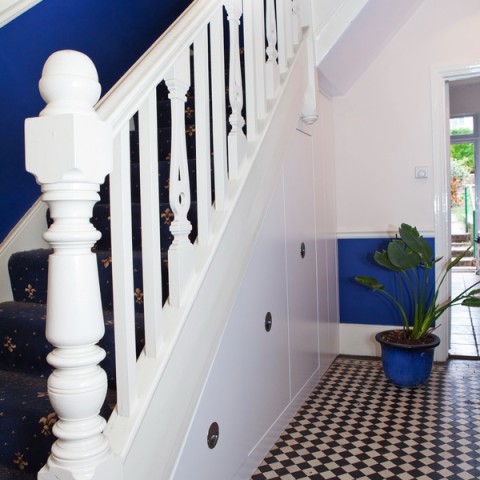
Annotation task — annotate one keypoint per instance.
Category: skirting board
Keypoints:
(358, 339)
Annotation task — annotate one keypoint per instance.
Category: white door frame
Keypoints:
(441, 167)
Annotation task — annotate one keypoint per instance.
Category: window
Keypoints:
(463, 126)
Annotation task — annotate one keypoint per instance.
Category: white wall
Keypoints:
(383, 125)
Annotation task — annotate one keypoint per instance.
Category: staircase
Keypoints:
(460, 243)
(176, 216)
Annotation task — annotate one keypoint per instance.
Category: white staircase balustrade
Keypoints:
(69, 152)
(69, 149)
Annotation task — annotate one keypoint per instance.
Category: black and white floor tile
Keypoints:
(356, 425)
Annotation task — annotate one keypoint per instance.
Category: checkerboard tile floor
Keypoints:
(356, 425)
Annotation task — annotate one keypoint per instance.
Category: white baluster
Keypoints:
(289, 29)
(150, 212)
(180, 254)
(202, 136)
(219, 128)
(282, 35)
(254, 54)
(296, 29)
(236, 137)
(272, 72)
(68, 149)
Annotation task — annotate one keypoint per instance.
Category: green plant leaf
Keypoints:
(401, 256)
(370, 282)
(382, 259)
(417, 243)
(454, 261)
(471, 302)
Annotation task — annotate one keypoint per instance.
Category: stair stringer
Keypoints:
(150, 440)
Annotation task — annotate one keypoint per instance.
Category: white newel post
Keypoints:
(180, 253)
(236, 138)
(68, 149)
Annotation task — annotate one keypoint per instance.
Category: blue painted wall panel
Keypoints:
(114, 33)
(359, 304)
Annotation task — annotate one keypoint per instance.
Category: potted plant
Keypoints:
(407, 353)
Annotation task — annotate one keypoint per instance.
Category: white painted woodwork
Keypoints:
(150, 211)
(70, 178)
(220, 161)
(180, 255)
(259, 59)
(256, 375)
(302, 296)
(202, 135)
(309, 110)
(272, 72)
(196, 329)
(248, 385)
(236, 137)
(11, 9)
(282, 40)
(157, 394)
(296, 23)
(289, 29)
(250, 68)
(122, 273)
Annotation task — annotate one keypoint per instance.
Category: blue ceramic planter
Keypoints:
(407, 365)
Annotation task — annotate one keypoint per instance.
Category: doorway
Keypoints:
(441, 80)
(464, 224)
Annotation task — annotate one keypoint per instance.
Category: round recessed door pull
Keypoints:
(268, 321)
(302, 250)
(213, 433)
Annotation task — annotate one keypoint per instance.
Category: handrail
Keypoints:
(126, 96)
(72, 146)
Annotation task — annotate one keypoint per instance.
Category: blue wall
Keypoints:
(359, 304)
(113, 33)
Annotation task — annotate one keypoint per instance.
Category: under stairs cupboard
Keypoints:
(269, 349)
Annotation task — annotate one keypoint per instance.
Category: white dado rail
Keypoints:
(73, 145)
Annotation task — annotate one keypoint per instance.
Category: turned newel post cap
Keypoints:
(68, 142)
(69, 83)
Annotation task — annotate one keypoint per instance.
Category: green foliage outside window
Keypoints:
(463, 153)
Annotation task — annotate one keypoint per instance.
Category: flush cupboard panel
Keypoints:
(302, 284)
(248, 386)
